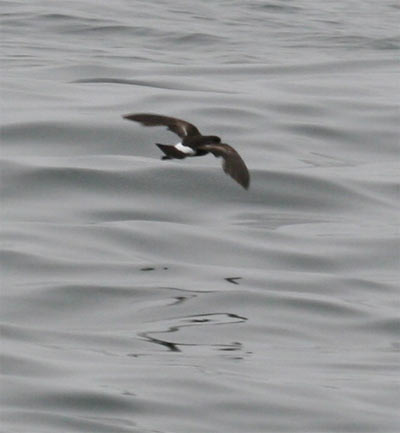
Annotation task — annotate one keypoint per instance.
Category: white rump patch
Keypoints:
(184, 149)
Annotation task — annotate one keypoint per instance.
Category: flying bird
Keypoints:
(193, 143)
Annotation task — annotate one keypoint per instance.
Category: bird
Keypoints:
(193, 143)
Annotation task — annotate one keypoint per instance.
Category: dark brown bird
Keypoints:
(195, 144)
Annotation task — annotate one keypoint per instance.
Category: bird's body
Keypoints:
(187, 150)
(193, 143)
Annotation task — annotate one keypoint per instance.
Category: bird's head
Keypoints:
(215, 139)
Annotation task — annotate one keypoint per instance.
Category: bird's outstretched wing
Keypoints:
(232, 163)
(178, 126)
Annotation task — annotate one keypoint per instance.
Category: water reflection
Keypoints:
(176, 324)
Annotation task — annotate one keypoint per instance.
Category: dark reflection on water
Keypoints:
(139, 295)
(200, 319)
(233, 280)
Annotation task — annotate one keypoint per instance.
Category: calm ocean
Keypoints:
(149, 296)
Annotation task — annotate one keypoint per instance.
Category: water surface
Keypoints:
(141, 295)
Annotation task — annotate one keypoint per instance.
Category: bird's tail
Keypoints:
(170, 151)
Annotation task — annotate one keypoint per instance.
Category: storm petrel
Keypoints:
(195, 144)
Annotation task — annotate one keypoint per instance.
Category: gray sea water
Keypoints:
(141, 295)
